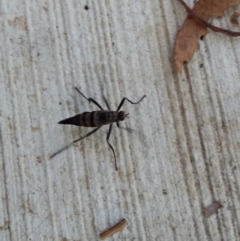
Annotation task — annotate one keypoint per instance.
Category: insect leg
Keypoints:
(108, 135)
(89, 99)
(106, 103)
(121, 103)
(79, 139)
(109, 109)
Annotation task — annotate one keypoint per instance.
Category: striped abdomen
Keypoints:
(93, 119)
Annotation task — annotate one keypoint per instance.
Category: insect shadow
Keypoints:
(97, 119)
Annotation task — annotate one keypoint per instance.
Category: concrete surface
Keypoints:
(177, 152)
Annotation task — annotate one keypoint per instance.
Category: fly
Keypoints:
(97, 119)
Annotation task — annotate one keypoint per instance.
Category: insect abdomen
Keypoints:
(92, 119)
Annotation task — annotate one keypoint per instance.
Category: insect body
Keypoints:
(97, 119)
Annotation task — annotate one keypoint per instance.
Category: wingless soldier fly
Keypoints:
(97, 119)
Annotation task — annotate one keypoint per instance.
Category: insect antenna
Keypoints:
(134, 103)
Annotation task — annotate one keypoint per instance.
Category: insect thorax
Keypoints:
(111, 116)
(107, 117)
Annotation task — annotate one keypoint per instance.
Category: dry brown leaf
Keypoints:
(195, 26)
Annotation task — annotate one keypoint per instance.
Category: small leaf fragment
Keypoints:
(234, 18)
(211, 209)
